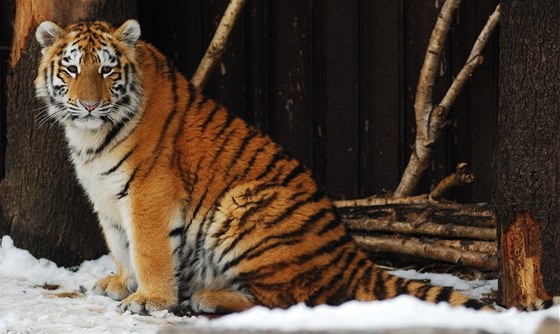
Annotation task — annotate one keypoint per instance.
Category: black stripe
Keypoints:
(278, 156)
(254, 133)
(211, 116)
(192, 97)
(234, 243)
(474, 304)
(126, 75)
(301, 230)
(179, 231)
(379, 285)
(248, 254)
(332, 224)
(223, 146)
(340, 295)
(114, 168)
(110, 137)
(251, 162)
(421, 292)
(124, 191)
(307, 277)
(365, 280)
(279, 243)
(242, 221)
(352, 279)
(444, 295)
(293, 174)
(156, 60)
(225, 125)
(288, 212)
(172, 75)
(401, 285)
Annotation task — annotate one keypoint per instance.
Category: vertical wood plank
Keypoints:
(256, 31)
(174, 27)
(337, 89)
(289, 74)
(379, 72)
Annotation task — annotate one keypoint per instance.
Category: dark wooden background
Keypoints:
(333, 81)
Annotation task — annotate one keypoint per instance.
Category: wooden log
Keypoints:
(417, 247)
(440, 213)
(485, 247)
(421, 228)
(456, 233)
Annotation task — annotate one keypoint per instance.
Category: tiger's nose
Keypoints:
(89, 105)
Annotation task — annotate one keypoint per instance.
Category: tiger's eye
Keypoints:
(72, 69)
(106, 69)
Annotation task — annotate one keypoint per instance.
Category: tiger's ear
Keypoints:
(129, 32)
(48, 33)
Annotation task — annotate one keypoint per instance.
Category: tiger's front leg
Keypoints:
(122, 283)
(151, 253)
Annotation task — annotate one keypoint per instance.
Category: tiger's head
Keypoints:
(88, 76)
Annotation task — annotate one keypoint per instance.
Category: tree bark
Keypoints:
(41, 205)
(527, 165)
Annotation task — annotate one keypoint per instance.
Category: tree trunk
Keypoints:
(41, 205)
(527, 163)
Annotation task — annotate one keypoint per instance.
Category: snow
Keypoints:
(27, 306)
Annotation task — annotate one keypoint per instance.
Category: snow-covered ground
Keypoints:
(36, 296)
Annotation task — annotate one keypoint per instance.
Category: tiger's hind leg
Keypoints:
(220, 301)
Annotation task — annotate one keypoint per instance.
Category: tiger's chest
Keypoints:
(102, 188)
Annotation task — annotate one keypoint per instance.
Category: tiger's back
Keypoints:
(196, 205)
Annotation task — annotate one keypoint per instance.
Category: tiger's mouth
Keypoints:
(88, 121)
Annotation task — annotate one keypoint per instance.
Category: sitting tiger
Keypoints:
(196, 206)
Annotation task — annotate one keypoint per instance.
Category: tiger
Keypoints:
(197, 207)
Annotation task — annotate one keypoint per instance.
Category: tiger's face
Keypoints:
(88, 76)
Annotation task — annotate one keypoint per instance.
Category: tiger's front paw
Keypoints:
(113, 286)
(142, 304)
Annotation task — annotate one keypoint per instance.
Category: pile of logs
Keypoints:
(455, 233)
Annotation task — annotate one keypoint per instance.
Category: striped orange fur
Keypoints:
(196, 206)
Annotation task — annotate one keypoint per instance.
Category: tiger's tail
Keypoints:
(542, 304)
(378, 284)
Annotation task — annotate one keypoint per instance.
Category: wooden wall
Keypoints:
(334, 82)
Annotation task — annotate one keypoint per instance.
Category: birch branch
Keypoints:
(423, 107)
(429, 120)
(475, 58)
(459, 178)
(365, 224)
(218, 44)
(417, 247)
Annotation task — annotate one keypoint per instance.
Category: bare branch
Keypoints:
(217, 46)
(475, 59)
(459, 178)
(372, 201)
(423, 106)
(429, 120)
